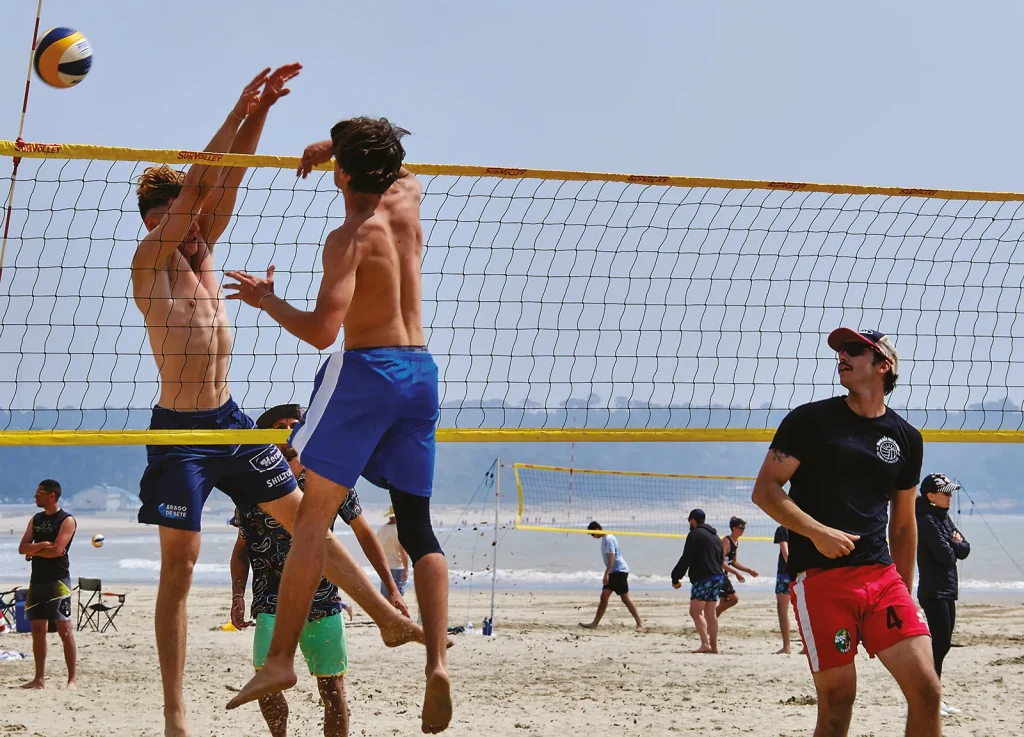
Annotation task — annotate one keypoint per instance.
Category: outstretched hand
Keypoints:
(249, 101)
(314, 155)
(248, 288)
(274, 88)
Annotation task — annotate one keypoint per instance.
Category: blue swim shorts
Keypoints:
(373, 413)
(179, 478)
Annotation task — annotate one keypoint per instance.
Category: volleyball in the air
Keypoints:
(98, 540)
(63, 57)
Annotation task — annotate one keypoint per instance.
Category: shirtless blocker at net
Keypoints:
(176, 289)
(374, 407)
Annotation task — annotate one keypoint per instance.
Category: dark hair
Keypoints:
(698, 516)
(158, 185)
(370, 151)
(51, 486)
(889, 380)
(735, 522)
(280, 412)
(594, 526)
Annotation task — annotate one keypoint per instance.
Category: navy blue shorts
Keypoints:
(373, 414)
(707, 589)
(179, 478)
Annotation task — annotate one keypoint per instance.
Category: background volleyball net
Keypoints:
(559, 305)
(555, 499)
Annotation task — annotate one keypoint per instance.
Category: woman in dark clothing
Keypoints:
(939, 546)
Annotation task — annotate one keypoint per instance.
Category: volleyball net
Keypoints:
(555, 499)
(559, 305)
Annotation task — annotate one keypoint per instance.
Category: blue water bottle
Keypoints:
(488, 629)
(21, 623)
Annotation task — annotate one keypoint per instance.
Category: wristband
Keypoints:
(259, 305)
(240, 117)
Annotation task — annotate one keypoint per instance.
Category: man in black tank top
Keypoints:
(46, 543)
(730, 545)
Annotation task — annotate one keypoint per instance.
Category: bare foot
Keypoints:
(35, 683)
(72, 686)
(783, 651)
(437, 703)
(176, 726)
(270, 679)
(588, 625)
(702, 650)
(399, 632)
(640, 628)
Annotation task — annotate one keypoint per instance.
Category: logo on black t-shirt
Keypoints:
(887, 449)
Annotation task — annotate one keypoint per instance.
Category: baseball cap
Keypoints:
(698, 516)
(935, 483)
(879, 342)
(280, 412)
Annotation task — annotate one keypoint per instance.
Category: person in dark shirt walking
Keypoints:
(939, 546)
(853, 465)
(46, 543)
(703, 558)
(730, 548)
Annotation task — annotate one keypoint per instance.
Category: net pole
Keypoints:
(21, 130)
(497, 512)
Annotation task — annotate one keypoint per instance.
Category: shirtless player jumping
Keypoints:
(374, 406)
(176, 288)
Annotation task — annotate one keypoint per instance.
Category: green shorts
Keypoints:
(323, 644)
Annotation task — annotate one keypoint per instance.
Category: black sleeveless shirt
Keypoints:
(730, 557)
(45, 528)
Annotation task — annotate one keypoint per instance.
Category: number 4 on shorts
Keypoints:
(892, 619)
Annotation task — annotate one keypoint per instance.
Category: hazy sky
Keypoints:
(910, 93)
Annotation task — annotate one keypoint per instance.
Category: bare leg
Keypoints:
(697, 614)
(602, 607)
(632, 610)
(432, 596)
(299, 580)
(911, 664)
(179, 550)
(710, 614)
(39, 627)
(66, 631)
(726, 602)
(837, 690)
(275, 713)
(332, 692)
(782, 605)
(341, 569)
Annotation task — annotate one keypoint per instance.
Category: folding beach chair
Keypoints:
(7, 602)
(90, 613)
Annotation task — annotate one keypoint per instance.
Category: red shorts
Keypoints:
(839, 607)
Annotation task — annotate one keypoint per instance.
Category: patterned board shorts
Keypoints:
(706, 590)
(782, 584)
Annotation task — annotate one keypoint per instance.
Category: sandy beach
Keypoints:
(541, 675)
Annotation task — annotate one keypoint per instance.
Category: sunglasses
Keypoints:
(854, 349)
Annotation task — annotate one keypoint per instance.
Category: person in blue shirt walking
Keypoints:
(616, 575)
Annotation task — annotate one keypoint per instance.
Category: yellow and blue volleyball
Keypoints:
(63, 57)
(98, 540)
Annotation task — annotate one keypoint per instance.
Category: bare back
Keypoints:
(386, 240)
(188, 330)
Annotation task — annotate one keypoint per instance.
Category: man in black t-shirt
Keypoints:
(852, 465)
(46, 543)
(782, 582)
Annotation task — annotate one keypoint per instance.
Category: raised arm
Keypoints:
(220, 206)
(200, 181)
(320, 327)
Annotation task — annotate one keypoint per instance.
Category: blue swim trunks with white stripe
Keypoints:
(373, 413)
